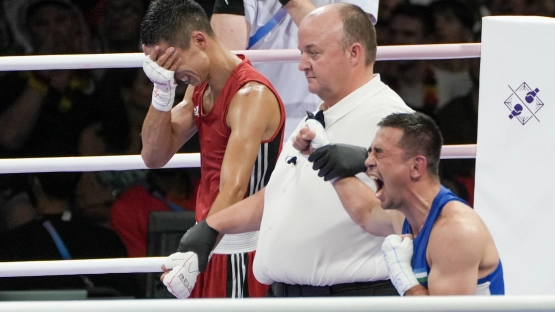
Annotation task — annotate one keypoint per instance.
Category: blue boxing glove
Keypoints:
(338, 160)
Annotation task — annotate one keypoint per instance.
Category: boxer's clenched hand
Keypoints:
(397, 251)
(180, 273)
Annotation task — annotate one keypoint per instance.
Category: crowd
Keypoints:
(56, 113)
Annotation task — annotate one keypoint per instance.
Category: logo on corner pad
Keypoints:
(524, 103)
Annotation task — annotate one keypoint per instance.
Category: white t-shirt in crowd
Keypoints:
(306, 236)
(289, 82)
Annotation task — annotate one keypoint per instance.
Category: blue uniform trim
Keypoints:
(419, 263)
(264, 30)
(62, 249)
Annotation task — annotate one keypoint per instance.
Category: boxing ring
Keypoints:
(143, 265)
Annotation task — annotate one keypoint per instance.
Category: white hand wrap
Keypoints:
(398, 255)
(164, 84)
(320, 138)
(181, 280)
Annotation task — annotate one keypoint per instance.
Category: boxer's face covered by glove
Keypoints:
(192, 63)
(389, 167)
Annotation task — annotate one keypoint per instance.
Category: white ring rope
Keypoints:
(76, 267)
(324, 304)
(132, 162)
(91, 163)
(124, 60)
(127, 60)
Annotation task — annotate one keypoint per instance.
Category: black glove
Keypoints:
(338, 160)
(200, 239)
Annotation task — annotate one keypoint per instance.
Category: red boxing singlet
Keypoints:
(214, 135)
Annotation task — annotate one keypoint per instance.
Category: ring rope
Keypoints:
(91, 163)
(133, 162)
(129, 60)
(77, 267)
(324, 304)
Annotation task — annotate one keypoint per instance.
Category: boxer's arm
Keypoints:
(365, 209)
(253, 116)
(164, 133)
(244, 216)
(166, 128)
(233, 30)
(229, 23)
(298, 9)
(455, 249)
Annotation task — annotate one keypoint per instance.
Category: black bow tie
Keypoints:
(319, 116)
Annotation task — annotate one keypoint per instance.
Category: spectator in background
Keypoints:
(427, 86)
(458, 122)
(521, 7)
(44, 26)
(59, 235)
(7, 44)
(45, 113)
(162, 190)
(15, 206)
(385, 10)
(387, 7)
(57, 112)
(454, 22)
(413, 80)
(119, 26)
(128, 88)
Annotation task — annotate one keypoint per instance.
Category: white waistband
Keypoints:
(237, 243)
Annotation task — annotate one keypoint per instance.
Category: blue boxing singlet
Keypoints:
(492, 284)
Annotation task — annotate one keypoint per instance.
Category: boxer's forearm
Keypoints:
(233, 30)
(244, 216)
(298, 9)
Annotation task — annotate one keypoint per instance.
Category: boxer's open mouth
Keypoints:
(379, 184)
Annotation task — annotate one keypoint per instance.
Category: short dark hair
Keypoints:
(173, 21)
(357, 27)
(421, 135)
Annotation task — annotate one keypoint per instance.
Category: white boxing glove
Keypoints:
(182, 278)
(320, 138)
(163, 93)
(398, 255)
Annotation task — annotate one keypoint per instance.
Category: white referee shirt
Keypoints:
(289, 82)
(306, 236)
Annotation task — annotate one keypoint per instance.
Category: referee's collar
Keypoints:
(351, 101)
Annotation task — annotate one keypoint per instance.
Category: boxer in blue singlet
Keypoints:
(453, 252)
(491, 284)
